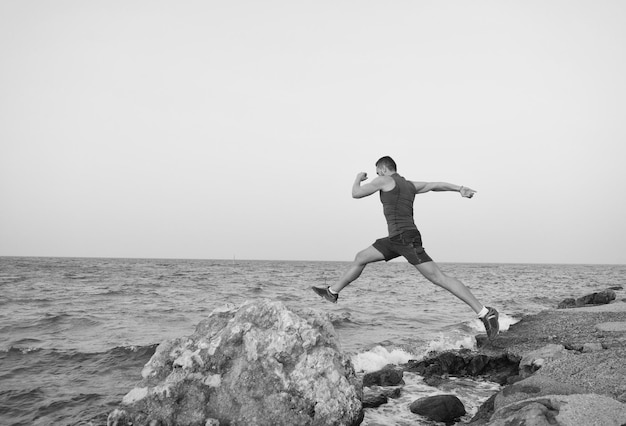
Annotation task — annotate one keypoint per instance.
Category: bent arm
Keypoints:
(360, 191)
(422, 187)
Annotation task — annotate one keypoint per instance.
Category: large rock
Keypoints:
(440, 408)
(566, 410)
(258, 364)
(533, 387)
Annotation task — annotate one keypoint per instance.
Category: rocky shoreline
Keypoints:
(561, 366)
(261, 363)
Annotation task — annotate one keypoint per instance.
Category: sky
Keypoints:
(235, 129)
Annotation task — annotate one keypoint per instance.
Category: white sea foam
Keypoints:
(505, 322)
(447, 342)
(378, 357)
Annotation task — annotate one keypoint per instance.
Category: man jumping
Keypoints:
(397, 195)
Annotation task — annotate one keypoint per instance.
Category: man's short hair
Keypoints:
(387, 162)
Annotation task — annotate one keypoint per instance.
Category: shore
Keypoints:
(560, 366)
(572, 368)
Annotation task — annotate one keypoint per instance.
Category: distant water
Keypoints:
(75, 332)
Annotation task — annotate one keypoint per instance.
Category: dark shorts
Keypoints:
(407, 244)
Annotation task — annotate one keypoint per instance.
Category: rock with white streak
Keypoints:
(259, 364)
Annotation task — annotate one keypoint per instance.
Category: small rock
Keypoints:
(592, 347)
(392, 393)
(376, 396)
(433, 381)
(534, 360)
(573, 347)
(373, 399)
(388, 376)
(440, 408)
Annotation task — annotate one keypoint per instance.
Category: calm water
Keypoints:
(75, 332)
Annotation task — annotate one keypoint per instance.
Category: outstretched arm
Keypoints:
(423, 187)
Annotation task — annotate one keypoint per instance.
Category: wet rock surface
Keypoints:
(440, 408)
(495, 367)
(388, 376)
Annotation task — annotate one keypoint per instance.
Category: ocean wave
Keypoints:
(118, 292)
(114, 356)
(78, 277)
(26, 344)
(446, 342)
(14, 350)
(28, 300)
(10, 279)
(378, 357)
(20, 396)
(52, 318)
(79, 321)
(458, 338)
(132, 352)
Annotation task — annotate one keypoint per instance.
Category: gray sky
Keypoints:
(213, 129)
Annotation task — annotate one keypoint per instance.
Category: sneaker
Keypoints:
(490, 321)
(325, 293)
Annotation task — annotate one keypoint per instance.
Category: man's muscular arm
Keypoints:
(380, 182)
(423, 187)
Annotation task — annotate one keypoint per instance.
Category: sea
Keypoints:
(76, 332)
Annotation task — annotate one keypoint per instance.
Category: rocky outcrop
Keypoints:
(599, 298)
(375, 396)
(435, 369)
(566, 410)
(571, 370)
(496, 367)
(560, 367)
(258, 364)
(531, 388)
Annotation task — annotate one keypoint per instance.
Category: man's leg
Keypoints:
(431, 271)
(369, 255)
(488, 316)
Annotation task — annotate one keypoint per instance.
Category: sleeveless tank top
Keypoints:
(398, 206)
